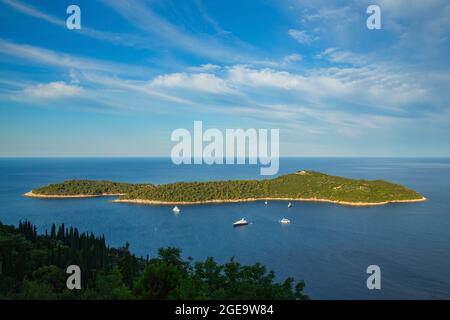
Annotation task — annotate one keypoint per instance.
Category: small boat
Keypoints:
(265, 202)
(241, 222)
(289, 205)
(176, 209)
(285, 221)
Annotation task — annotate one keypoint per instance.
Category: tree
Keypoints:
(33, 267)
(109, 285)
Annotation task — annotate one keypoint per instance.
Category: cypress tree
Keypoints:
(53, 232)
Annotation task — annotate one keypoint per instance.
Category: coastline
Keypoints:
(290, 187)
(347, 203)
(30, 194)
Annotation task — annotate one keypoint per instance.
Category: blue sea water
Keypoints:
(326, 245)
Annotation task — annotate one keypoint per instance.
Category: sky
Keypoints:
(137, 70)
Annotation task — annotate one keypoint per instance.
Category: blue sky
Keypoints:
(139, 69)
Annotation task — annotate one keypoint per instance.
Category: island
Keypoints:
(298, 186)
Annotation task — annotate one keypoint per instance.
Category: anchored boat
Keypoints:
(241, 222)
(176, 209)
(285, 221)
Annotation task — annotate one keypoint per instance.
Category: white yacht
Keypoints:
(265, 202)
(241, 222)
(176, 209)
(289, 205)
(285, 221)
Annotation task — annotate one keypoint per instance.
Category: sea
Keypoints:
(326, 245)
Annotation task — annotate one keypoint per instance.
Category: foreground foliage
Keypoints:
(298, 185)
(33, 266)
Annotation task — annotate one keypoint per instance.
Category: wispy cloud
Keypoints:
(140, 14)
(212, 22)
(129, 40)
(300, 36)
(326, 86)
(33, 12)
(369, 87)
(326, 12)
(57, 59)
(295, 57)
(198, 81)
(342, 56)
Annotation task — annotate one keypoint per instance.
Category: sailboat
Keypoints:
(289, 205)
(176, 209)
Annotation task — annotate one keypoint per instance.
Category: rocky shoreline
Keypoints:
(157, 202)
(347, 203)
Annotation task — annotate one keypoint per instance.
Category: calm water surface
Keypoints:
(327, 245)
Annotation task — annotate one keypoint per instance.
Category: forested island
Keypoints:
(33, 266)
(302, 185)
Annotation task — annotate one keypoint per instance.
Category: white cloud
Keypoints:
(300, 36)
(134, 86)
(52, 90)
(245, 76)
(198, 81)
(292, 58)
(340, 56)
(314, 84)
(376, 86)
(326, 12)
(342, 100)
(371, 88)
(208, 67)
(409, 8)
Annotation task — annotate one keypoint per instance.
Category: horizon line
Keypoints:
(168, 157)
